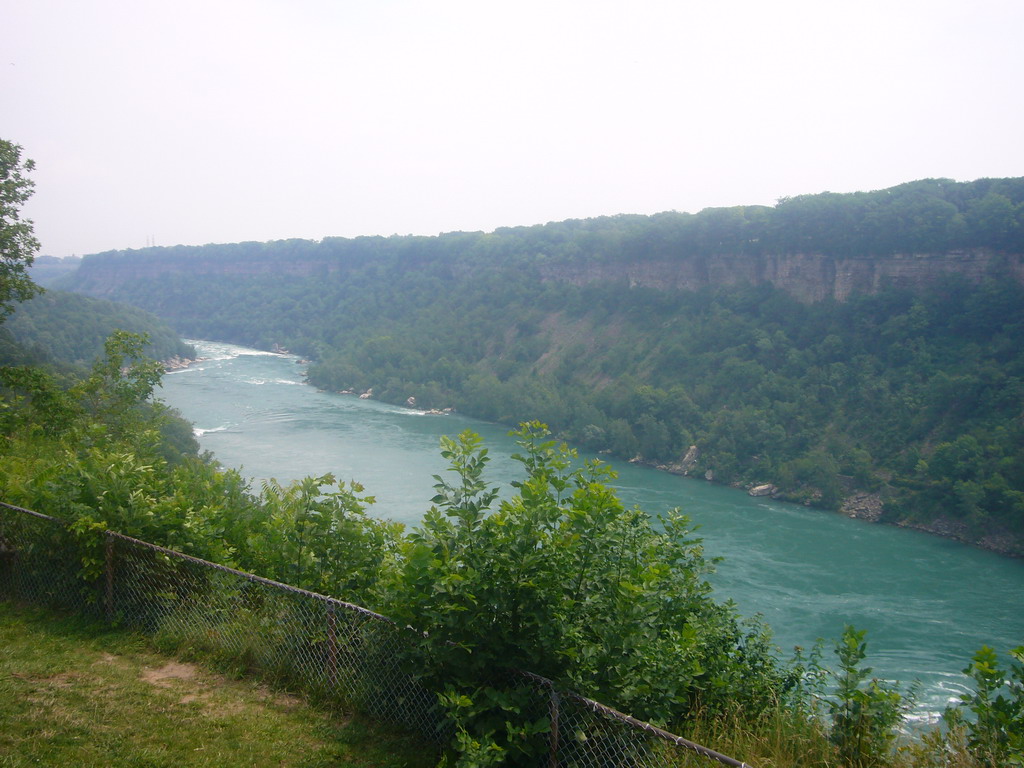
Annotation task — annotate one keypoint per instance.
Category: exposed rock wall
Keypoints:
(808, 277)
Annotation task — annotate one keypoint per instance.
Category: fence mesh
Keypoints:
(39, 562)
(327, 648)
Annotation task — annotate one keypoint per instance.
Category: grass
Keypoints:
(778, 739)
(783, 738)
(74, 693)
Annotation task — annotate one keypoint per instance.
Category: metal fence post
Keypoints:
(553, 739)
(109, 596)
(332, 646)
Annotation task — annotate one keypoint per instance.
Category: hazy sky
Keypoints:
(200, 121)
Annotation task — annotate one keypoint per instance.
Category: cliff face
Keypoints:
(807, 277)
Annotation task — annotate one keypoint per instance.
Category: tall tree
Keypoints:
(18, 244)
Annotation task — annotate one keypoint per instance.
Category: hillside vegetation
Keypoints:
(69, 329)
(686, 341)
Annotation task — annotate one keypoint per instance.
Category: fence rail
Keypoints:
(324, 646)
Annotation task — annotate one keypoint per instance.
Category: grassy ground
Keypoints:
(76, 694)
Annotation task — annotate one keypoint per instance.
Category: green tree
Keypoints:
(121, 382)
(865, 713)
(18, 244)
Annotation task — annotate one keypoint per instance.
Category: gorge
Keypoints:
(860, 350)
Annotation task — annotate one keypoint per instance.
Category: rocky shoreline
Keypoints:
(1001, 542)
(871, 508)
(177, 363)
(868, 507)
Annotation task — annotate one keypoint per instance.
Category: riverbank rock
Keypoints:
(763, 490)
(367, 394)
(863, 506)
(177, 363)
(998, 540)
(685, 464)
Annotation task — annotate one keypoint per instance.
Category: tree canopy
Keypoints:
(18, 244)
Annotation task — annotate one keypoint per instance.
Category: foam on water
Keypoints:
(199, 431)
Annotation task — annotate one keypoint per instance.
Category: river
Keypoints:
(927, 603)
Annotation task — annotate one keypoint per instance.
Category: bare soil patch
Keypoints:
(166, 675)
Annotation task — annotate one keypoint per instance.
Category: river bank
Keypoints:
(864, 507)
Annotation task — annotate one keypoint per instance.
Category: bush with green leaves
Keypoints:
(866, 714)
(995, 729)
(564, 581)
(308, 535)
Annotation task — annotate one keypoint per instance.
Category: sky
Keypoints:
(213, 121)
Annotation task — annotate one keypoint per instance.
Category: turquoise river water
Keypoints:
(926, 602)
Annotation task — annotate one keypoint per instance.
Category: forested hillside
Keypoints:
(863, 349)
(67, 328)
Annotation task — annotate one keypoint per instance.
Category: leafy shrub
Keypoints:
(995, 735)
(865, 713)
(563, 581)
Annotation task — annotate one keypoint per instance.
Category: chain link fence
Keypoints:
(328, 649)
